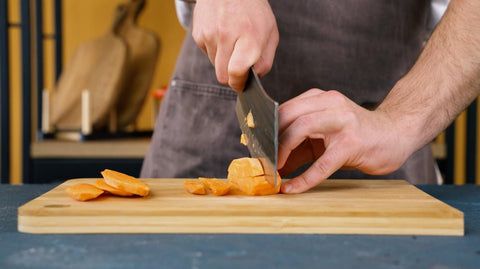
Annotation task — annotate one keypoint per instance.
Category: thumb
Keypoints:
(321, 169)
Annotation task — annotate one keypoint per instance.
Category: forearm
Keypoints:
(443, 81)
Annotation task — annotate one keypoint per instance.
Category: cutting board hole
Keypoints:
(56, 206)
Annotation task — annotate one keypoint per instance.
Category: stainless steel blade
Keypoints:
(263, 138)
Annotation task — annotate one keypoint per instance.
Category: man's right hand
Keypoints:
(236, 35)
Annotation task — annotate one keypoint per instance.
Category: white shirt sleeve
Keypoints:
(184, 12)
(437, 8)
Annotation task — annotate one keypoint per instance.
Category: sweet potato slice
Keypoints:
(249, 120)
(253, 185)
(83, 191)
(246, 167)
(244, 139)
(194, 186)
(217, 186)
(101, 184)
(248, 175)
(125, 182)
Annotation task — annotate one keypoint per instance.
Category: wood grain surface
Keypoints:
(333, 207)
(143, 49)
(98, 66)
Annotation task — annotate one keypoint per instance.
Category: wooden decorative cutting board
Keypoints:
(143, 49)
(333, 207)
(97, 66)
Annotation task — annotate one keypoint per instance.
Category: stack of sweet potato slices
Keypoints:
(246, 175)
(216, 186)
(113, 182)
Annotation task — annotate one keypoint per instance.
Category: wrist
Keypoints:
(415, 118)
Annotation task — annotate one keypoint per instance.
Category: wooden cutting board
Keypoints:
(143, 49)
(333, 207)
(98, 66)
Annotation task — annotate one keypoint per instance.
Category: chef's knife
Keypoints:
(262, 139)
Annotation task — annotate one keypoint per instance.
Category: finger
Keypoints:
(305, 103)
(314, 100)
(332, 160)
(224, 52)
(314, 125)
(199, 38)
(245, 54)
(211, 49)
(264, 65)
(299, 156)
(202, 46)
(306, 94)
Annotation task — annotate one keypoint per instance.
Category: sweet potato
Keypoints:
(125, 182)
(217, 186)
(244, 139)
(83, 191)
(246, 167)
(248, 175)
(253, 185)
(101, 184)
(249, 120)
(194, 186)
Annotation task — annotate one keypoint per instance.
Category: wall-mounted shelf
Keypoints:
(57, 160)
(112, 149)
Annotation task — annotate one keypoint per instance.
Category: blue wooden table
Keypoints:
(18, 250)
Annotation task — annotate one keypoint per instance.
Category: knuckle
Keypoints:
(322, 168)
(301, 182)
(305, 121)
(236, 83)
(246, 25)
(262, 67)
(267, 67)
(209, 35)
(238, 70)
(197, 36)
(201, 38)
(352, 142)
(221, 77)
(222, 32)
(314, 91)
(348, 118)
(336, 97)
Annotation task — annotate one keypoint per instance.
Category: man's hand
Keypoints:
(236, 35)
(331, 131)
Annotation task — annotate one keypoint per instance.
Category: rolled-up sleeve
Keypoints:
(437, 9)
(184, 12)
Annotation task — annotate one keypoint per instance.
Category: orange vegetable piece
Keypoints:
(194, 186)
(217, 186)
(83, 191)
(244, 139)
(125, 182)
(246, 167)
(101, 184)
(248, 175)
(253, 185)
(249, 120)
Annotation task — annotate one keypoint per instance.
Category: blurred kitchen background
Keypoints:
(39, 40)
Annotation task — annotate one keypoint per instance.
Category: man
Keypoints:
(390, 101)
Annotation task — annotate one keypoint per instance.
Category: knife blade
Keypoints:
(262, 139)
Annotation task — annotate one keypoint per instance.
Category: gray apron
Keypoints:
(359, 47)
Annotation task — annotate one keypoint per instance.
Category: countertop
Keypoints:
(18, 250)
